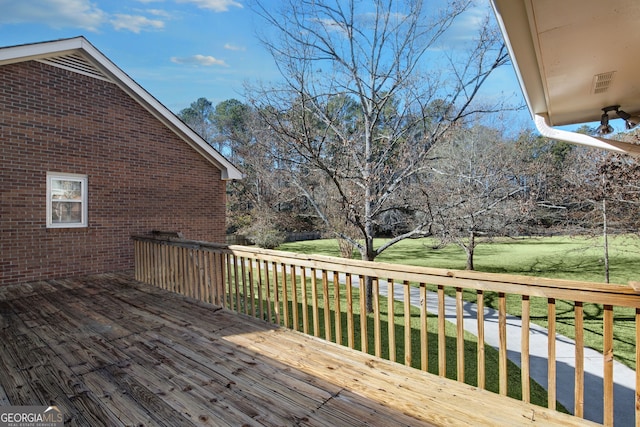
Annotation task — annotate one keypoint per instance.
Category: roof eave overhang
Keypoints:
(514, 19)
(116, 75)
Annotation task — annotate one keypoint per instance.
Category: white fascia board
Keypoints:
(13, 54)
(512, 55)
(583, 139)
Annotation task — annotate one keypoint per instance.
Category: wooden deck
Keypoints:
(108, 350)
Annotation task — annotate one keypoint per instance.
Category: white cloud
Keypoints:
(82, 14)
(53, 13)
(159, 12)
(215, 5)
(331, 25)
(198, 60)
(135, 23)
(230, 46)
(467, 25)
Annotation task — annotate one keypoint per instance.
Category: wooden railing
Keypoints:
(321, 295)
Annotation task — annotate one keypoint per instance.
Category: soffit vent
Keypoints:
(76, 63)
(602, 82)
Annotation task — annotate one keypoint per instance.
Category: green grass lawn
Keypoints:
(554, 257)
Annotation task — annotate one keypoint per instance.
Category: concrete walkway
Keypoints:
(624, 377)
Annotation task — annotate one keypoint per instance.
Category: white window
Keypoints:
(66, 200)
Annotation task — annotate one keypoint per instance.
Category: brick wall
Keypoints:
(140, 175)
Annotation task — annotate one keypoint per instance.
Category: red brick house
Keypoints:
(90, 158)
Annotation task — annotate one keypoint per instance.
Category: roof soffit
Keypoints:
(574, 57)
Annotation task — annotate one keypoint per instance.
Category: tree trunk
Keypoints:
(605, 238)
(369, 293)
(369, 255)
(470, 249)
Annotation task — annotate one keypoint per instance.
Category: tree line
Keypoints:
(376, 130)
(476, 185)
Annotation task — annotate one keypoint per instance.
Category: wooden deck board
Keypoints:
(112, 351)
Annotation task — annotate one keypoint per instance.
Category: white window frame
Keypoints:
(54, 176)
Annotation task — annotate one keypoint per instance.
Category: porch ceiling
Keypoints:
(574, 57)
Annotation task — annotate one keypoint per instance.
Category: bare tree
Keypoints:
(587, 192)
(608, 197)
(368, 92)
(477, 190)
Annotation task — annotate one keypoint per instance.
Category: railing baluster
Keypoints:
(364, 318)
(337, 309)
(252, 296)
(607, 350)
(424, 332)
(197, 256)
(236, 282)
(407, 323)
(136, 257)
(154, 266)
(442, 337)
(184, 266)
(276, 292)
(459, 335)
(524, 349)
(260, 290)
(350, 325)
(637, 400)
(578, 409)
(184, 272)
(197, 272)
(294, 298)
(207, 273)
(202, 260)
(285, 295)
(305, 304)
(482, 374)
(190, 273)
(502, 350)
(161, 266)
(175, 272)
(326, 305)
(314, 302)
(267, 277)
(391, 321)
(551, 356)
(222, 275)
(377, 333)
(214, 295)
(243, 276)
(216, 271)
(230, 293)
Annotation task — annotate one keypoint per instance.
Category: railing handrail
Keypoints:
(594, 292)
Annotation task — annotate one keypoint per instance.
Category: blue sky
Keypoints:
(178, 50)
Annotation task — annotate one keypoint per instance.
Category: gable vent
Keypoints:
(602, 82)
(76, 63)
